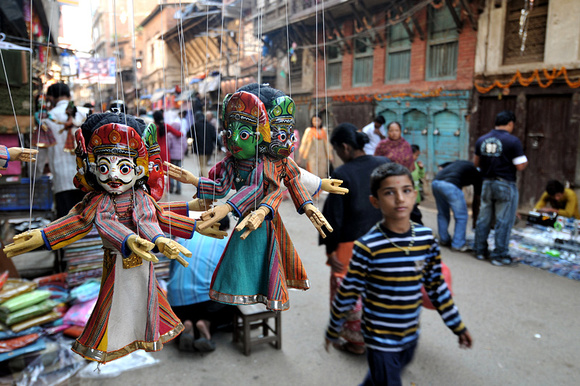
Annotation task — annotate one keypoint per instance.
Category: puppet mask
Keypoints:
(156, 181)
(117, 157)
(117, 174)
(282, 128)
(246, 124)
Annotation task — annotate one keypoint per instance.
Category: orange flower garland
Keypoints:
(527, 81)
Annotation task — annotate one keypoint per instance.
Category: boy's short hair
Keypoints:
(380, 120)
(384, 171)
(415, 148)
(553, 187)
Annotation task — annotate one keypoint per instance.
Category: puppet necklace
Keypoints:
(407, 249)
(128, 211)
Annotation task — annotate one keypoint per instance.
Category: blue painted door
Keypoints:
(446, 136)
(415, 132)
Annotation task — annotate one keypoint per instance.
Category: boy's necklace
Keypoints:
(407, 249)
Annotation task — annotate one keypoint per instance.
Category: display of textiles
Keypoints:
(84, 259)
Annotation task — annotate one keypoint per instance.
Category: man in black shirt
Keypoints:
(447, 191)
(499, 155)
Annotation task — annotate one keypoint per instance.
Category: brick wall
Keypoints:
(417, 83)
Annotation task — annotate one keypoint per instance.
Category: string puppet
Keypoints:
(254, 265)
(131, 311)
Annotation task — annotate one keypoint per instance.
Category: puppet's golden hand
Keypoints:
(20, 154)
(317, 219)
(181, 174)
(211, 231)
(199, 204)
(214, 215)
(172, 249)
(141, 248)
(333, 186)
(252, 221)
(24, 242)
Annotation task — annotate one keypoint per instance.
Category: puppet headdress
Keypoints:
(246, 107)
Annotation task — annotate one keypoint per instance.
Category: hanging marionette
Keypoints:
(272, 242)
(131, 312)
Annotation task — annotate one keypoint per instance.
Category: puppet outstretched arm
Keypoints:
(141, 248)
(21, 154)
(172, 249)
(317, 218)
(214, 215)
(253, 221)
(333, 186)
(25, 242)
(181, 174)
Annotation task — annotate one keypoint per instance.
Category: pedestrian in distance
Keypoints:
(447, 190)
(389, 265)
(499, 155)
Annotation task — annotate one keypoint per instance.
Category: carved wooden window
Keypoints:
(333, 66)
(527, 46)
(362, 74)
(398, 54)
(442, 45)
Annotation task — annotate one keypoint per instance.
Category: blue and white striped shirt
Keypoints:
(389, 282)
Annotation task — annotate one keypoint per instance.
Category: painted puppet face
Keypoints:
(247, 124)
(116, 174)
(241, 139)
(282, 128)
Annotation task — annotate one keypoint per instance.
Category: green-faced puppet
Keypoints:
(281, 115)
(246, 122)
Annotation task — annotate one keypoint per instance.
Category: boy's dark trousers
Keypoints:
(385, 367)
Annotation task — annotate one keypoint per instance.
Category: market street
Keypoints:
(524, 322)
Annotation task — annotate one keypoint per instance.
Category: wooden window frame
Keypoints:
(358, 56)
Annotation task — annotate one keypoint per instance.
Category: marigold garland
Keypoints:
(527, 81)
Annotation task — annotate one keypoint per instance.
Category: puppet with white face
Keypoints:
(131, 312)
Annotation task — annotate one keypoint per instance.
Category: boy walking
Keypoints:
(388, 266)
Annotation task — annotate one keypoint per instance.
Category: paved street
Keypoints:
(524, 322)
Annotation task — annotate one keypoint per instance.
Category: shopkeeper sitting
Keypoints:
(557, 199)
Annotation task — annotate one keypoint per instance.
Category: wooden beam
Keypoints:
(333, 24)
(368, 20)
(472, 18)
(418, 28)
(409, 30)
(357, 16)
(454, 14)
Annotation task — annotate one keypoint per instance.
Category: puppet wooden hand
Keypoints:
(212, 231)
(181, 174)
(213, 215)
(171, 249)
(317, 219)
(333, 186)
(20, 154)
(199, 204)
(253, 221)
(141, 248)
(24, 242)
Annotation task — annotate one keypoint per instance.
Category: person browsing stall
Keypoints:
(557, 199)
(389, 265)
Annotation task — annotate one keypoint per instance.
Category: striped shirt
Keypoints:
(389, 282)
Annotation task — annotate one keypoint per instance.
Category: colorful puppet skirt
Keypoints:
(250, 271)
(131, 313)
(294, 270)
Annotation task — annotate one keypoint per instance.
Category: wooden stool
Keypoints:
(252, 316)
